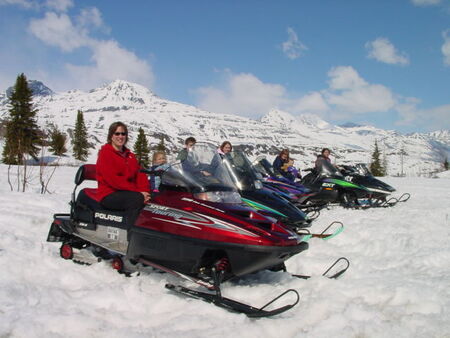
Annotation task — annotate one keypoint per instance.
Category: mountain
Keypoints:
(304, 135)
(37, 87)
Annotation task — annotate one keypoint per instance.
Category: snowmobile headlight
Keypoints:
(219, 196)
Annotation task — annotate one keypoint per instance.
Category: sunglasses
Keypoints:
(118, 133)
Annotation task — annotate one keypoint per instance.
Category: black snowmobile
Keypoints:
(379, 191)
(332, 187)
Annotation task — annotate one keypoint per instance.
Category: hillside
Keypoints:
(304, 135)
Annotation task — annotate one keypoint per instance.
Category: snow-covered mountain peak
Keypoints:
(277, 117)
(303, 135)
(314, 121)
(120, 91)
(37, 87)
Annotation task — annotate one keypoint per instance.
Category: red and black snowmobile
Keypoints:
(196, 228)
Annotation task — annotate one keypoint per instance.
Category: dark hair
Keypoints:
(284, 151)
(190, 140)
(324, 150)
(112, 129)
(224, 144)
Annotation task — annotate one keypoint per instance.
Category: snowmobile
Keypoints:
(379, 191)
(196, 228)
(294, 191)
(251, 189)
(332, 187)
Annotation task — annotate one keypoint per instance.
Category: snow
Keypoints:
(305, 135)
(397, 284)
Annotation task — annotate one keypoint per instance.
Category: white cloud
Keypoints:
(293, 48)
(59, 5)
(446, 47)
(350, 93)
(382, 50)
(345, 77)
(56, 5)
(27, 4)
(90, 17)
(110, 62)
(432, 118)
(313, 102)
(242, 94)
(58, 30)
(426, 2)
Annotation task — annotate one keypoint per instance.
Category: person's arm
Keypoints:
(182, 155)
(142, 182)
(277, 167)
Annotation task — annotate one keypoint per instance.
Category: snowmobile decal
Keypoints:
(259, 206)
(202, 204)
(346, 184)
(194, 220)
(108, 217)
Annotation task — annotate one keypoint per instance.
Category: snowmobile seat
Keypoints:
(90, 211)
(86, 208)
(86, 172)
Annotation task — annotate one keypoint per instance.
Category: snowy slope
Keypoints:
(397, 284)
(304, 135)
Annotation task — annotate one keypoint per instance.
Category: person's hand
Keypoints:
(205, 173)
(146, 196)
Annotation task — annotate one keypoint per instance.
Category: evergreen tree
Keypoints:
(376, 167)
(446, 164)
(79, 141)
(58, 139)
(161, 145)
(22, 132)
(141, 149)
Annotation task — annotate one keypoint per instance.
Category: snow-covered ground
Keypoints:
(398, 283)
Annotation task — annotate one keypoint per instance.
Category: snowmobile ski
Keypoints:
(235, 306)
(339, 227)
(331, 272)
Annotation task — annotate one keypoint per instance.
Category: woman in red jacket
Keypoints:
(121, 186)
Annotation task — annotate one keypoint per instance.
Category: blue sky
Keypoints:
(380, 62)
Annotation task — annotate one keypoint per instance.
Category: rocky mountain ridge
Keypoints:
(304, 135)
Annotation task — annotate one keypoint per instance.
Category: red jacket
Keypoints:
(118, 171)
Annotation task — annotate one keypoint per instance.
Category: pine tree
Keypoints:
(22, 132)
(161, 145)
(446, 164)
(141, 149)
(79, 141)
(376, 167)
(58, 139)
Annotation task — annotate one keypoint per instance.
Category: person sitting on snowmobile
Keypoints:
(324, 156)
(159, 162)
(121, 185)
(188, 159)
(189, 143)
(282, 164)
(225, 148)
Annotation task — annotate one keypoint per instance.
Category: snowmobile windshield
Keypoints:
(201, 171)
(242, 172)
(362, 169)
(263, 166)
(328, 170)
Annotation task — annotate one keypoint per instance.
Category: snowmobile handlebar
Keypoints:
(152, 172)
